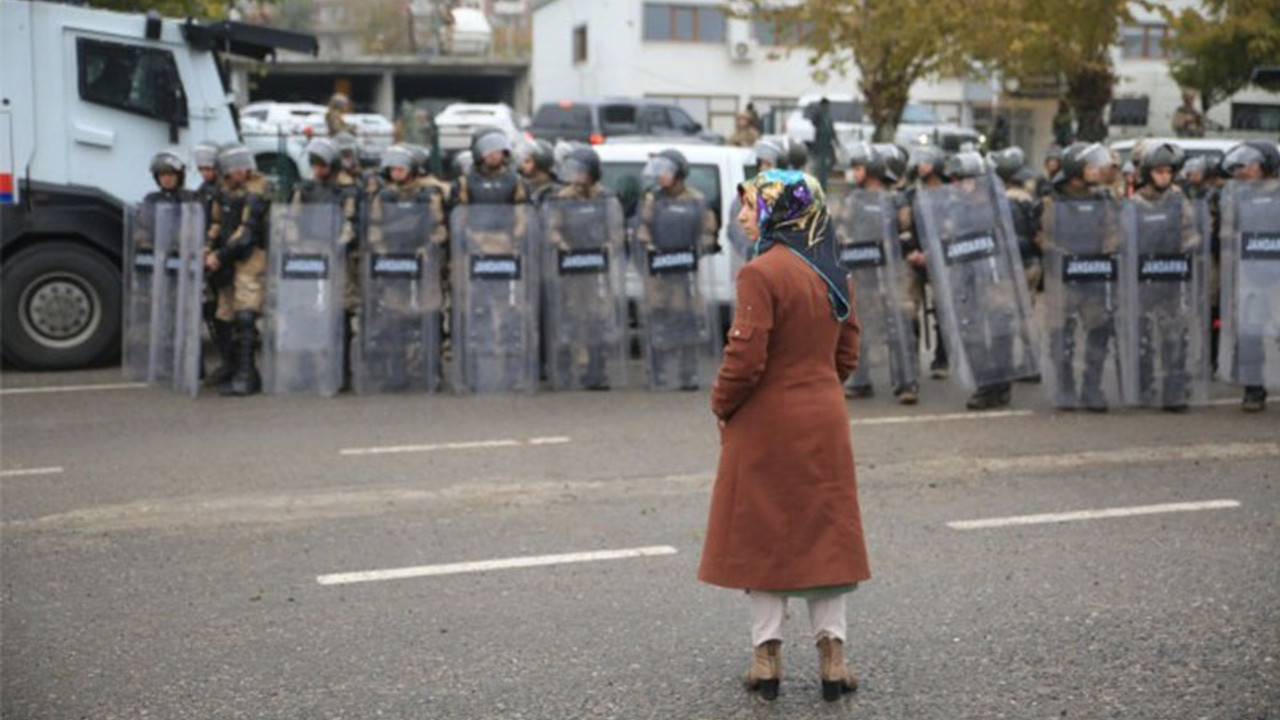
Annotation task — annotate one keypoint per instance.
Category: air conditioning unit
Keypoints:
(742, 47)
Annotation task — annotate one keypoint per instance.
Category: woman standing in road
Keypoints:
(784, 518)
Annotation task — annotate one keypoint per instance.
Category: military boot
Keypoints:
(836, 677)
(766, 669)
(246, 380)
(1255, 399)
(224, 341)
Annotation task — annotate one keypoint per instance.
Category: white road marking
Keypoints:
(487, 565)
(472, 445)
(71, 388)
(31, 471)
(949, 417)
(1091, 514)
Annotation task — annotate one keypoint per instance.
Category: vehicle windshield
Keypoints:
(559, 117)
(919, 115)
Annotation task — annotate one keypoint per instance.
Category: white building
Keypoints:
(689, 52)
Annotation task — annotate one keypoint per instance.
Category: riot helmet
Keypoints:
(1160, 155)
(463, 162)
(1079, 157)
(1259, 152)
(1197, 167)
(670, 162)
(168, 162)
(768, 151)
(420, 157)
(966, 164)
(542, 154)
(321, 151)
(581, 163)
(926, 156)
(1009, 162)
(894, 159)
(204, 155)
(486, 140)
(797, 155)
(345, 143)
(396, 156)
(234, 157)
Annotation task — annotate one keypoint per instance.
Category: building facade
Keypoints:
(689, 52)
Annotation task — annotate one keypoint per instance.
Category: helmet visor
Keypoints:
(573, 170)
(659, 166)
(767, 152)
(1096, 156)
(1241, 156)
(397, 157)
(491, 142)
(235, 159)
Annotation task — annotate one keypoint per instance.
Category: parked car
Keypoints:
(919, 125)
(456, 122)
(595, 121)
(277, 134)
(715, 171)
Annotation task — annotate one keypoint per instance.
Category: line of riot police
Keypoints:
(1125, 287)
(396, 281)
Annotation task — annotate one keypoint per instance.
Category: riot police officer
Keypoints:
(925, 169)
(495, 313)
(674, 228)
(537, 160)
(402, 310)
(240, 218)
(331, 183)
(1170, 292)
(865, 224)
(585, 300)
(1080, 237)
(1250, 222)
(1024, 209)
(1052, 165)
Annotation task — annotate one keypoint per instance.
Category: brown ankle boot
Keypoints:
(836, 678)
(766, 669)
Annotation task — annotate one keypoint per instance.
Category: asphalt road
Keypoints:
(163, 558)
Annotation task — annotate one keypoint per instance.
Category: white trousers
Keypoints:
(768, 610)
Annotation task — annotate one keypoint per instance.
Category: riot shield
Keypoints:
(495, 298)
(981, 289)
(302, 345)
(402, 301)
(583, 267)
(1249, 345)
(188, 317)
(167, 218)
(1167, 294)
(866, 226)
(1083, 304)
(139, 270)
(676, 321)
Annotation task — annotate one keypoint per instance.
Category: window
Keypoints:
(771, 33)
(580, 44)
(618, 119)
(1253, 116)
(683, 23)
(654, 118)
(1144, 42)
(680, 119)
(131, 78)
(1131, 112)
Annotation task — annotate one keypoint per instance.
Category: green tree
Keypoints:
(1216, 52)
(199, 9)
(893, 42)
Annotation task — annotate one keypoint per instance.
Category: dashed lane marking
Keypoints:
(433, 447)
(948, 417)
(71, 388)
(22, 472)
(490, 565)
(1091, 514)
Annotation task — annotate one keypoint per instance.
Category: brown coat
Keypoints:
(784, 509)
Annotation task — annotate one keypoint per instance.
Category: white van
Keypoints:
(715, 170)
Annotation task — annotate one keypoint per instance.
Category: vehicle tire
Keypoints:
(60, 305)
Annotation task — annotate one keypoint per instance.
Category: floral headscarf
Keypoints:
(793, 212)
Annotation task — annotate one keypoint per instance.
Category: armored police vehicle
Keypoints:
(86, 98)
